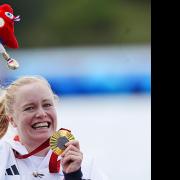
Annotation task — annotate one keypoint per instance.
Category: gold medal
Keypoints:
(59, 139)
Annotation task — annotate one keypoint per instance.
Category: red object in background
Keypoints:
(7, 36)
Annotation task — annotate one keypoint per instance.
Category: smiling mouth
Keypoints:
(40, 125)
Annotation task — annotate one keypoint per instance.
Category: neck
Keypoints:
(32, 146)
(40, 153)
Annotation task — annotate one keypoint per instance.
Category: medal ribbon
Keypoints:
(54, 164)
(38, 149)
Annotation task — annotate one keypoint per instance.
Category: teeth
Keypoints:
(41, 125)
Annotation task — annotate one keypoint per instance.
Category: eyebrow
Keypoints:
(49, 100)
(31, 103)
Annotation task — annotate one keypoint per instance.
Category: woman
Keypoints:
(28, 104)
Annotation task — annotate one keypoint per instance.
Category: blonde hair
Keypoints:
(8, 97)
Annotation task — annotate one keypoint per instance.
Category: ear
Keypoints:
(11, 120)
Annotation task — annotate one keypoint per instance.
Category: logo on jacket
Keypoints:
(12, 170)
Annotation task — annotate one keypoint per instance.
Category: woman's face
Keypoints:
(34, 113)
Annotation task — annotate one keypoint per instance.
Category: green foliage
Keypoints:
(82, 22)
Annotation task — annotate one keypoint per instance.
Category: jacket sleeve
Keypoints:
(4, 156)
(73, 176)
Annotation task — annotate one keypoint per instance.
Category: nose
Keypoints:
(41, 113)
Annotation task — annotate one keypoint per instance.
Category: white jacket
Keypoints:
(23, 169)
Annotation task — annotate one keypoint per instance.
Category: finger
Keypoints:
(74, 143)
(73, 153)
(72, 158)
(69, 150)
(70, 147)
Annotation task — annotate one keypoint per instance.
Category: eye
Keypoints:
(9, 15)
(28, 108)
(47, 105)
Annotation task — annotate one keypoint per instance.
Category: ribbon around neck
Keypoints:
(54, 164)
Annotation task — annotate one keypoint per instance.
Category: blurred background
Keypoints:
(97, 58)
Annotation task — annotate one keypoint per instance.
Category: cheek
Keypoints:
(54, 116)
(21, 120)
(55, 119)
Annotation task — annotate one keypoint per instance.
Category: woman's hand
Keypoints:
(72, 157)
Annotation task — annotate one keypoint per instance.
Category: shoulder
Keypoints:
(4, 146)
(5, 149)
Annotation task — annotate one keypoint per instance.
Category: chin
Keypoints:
(39, 139)
(41, 136)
